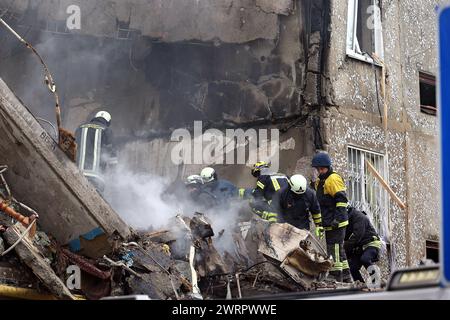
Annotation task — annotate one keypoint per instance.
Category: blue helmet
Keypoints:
(321, 160)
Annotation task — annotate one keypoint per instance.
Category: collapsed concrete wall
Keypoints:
(43, 175)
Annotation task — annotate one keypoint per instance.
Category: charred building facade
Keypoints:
(354, 78)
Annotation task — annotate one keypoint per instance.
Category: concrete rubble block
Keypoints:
(201, 227)
(164, 236)
(296, 252)
(47, 179)
(197, 232)
(252, 238)
(143, 285)
(32, 257)
(157, 285)
(158, 276)
(151, 259)
(280, 239)
(209, 262)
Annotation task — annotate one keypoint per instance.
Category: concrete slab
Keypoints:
(31, 256)
(42, 176)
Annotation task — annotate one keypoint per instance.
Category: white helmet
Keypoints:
(298, 184)
(103, 114)
(208, 174)
(194, 179)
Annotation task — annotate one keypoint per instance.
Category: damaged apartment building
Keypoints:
(352, 77)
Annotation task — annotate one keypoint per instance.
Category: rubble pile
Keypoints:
(180, 262)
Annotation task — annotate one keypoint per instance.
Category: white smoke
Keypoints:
(149, 202)
(138, 199)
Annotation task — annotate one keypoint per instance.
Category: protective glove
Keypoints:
(270, 216)
(166, 249)
(320, 232)
(335, 224)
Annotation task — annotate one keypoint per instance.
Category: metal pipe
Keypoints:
(122, 265)
(48, 76)
(238, 285)
(12, 31)
(28, 294)
(86, 266)
(4, 206)
(19, 240)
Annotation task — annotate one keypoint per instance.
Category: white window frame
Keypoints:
(360, 176)
(352, 41)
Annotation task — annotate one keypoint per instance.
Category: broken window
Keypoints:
(364, 30)
(427, 93)
(432, 250)
(364, 191)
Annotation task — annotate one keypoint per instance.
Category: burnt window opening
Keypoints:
(432, 250)
(427, 93)
(364, 30)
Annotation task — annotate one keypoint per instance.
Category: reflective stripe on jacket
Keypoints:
(331, 193)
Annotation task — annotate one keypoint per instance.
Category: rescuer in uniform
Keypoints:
(266, 194)
(95, 149)
(362, 243)
(331, 193)
(298, 203)
(221, 190)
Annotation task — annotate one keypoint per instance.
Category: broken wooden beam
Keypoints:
(385, 185)
(31, 256)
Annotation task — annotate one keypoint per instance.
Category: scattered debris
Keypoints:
(47, 180)
(30, 256)
(180, 263)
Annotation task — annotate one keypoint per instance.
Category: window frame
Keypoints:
(363, 203)
(429, 79)
(352, 23)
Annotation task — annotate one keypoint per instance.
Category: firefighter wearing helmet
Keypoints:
(266, 195)
(298, 203)
(222, 190)
(95, 148)
(331, 193)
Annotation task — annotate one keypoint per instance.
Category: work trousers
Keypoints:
(364, 258)
(335, 248)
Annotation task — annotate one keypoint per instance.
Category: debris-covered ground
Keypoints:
(178, 262)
